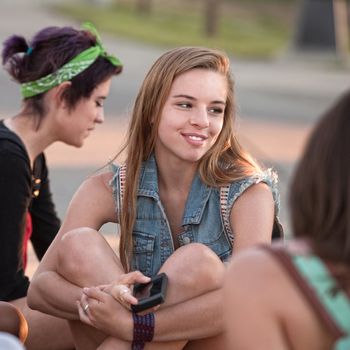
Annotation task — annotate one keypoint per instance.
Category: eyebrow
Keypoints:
(193, 99)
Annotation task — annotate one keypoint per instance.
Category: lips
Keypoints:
(195, 138)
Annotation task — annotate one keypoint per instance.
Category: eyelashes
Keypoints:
(211, 110)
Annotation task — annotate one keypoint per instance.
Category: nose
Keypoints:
(199, 118)
(100, 118)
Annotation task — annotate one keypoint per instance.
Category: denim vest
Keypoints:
(153, 242)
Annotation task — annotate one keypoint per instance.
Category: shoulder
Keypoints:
(92, 205)
(252, 261)
(14, 160)
(11, 148)
(261, 185)
(97, 183)
(255, 269)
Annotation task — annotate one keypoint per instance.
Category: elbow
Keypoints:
(34, 297)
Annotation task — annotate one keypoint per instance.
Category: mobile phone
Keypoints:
(150, 294)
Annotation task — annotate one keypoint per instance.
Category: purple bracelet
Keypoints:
(143, 330)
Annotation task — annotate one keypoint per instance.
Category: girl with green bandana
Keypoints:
(65, 76)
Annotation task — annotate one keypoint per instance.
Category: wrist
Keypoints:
(123, 326)
(143, 330)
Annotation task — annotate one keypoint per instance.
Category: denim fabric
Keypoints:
(153, 242)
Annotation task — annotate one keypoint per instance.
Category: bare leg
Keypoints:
(86, 259)
(192, 271)
(93, 262)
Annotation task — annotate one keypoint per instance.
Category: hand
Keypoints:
(121, 290)
(104, 306)
(100, 310)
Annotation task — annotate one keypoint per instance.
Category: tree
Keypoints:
(323, 27)
(144, 6)
(211, 16)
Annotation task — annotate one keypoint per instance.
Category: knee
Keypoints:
(77, 249)
(196, 263)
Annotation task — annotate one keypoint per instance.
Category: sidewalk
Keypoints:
(278, 103)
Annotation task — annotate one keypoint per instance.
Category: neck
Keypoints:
(175, 176)
(35, 140)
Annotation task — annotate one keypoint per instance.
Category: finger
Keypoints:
(133, 277)
(84, 299)
(129, 298)
(156, 308)
(118, 290)
(123, 295)
(102, 287)
(83, 315)
(95, 293)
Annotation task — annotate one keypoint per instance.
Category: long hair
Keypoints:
(320, 191)
(50, 49)
(224, 162)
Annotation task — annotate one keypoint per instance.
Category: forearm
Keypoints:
(51, 294)
(197, 318)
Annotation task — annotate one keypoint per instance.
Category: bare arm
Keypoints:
(252, 217)
(91, 206)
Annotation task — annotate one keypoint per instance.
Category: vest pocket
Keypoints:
(143, 252)
(218, 242)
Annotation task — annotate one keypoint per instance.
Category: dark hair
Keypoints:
(320, 191)
(50, 49)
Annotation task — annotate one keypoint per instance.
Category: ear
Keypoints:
(58, 93)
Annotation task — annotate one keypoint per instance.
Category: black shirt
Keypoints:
(17, 189)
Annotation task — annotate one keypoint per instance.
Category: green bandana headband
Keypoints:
(71, 69)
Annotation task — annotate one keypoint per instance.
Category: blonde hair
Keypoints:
(223, 163)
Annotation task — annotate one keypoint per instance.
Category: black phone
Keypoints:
(150, 294)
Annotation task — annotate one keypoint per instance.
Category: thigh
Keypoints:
(218, 343)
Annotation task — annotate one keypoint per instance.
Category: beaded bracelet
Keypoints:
(143, 330)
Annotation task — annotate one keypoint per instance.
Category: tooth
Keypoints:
(196, 138)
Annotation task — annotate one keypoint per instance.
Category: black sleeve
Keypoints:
(15, 196)
(44, 217)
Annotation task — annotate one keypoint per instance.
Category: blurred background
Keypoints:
(290, 61)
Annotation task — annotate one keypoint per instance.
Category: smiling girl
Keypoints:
(167, 197)
(65, 75)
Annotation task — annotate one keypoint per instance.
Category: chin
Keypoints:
(77, 144)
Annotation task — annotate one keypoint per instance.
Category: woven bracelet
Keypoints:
(143, 330)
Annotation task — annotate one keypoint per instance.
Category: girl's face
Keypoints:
(192, 116)
(88, 112)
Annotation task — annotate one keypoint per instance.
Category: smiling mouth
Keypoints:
(196, 138)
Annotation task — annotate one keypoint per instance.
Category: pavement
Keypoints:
(278, 104)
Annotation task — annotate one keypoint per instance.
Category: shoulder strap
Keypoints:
(328, 292)
(121, 186)
(225, 212)
(122, 177)
(322, 292)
